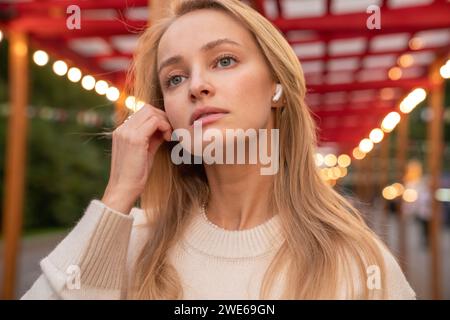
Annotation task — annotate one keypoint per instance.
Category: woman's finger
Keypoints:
(139, 117)
(153, 124)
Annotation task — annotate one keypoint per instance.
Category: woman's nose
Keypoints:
(200, 87)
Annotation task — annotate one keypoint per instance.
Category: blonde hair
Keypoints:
(327, 243)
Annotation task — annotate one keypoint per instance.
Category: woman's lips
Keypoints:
(209, 118)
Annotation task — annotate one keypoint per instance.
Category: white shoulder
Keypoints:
(397, 285)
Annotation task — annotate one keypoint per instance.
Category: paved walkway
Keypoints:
(417, 266)
(34, 248)
(418, 259)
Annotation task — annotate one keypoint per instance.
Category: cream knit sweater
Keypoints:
(95, 260)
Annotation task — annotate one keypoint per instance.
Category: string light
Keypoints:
(395, 73)
(412, 100)
(415, 43)
(101, 87)
(445, 70)
(343, 172)
(74, 74)
(366, 145)
(61, 115)
(406, 60)
(88, 82)
(344, 160)
(319, 159)
(40, 58)
(322, 174)
(390, 121)
(376, 135)
(133, 104)
(389, 193)
(399, 188)
(60, 67)
(330, 160)
(130, 102)
(139, 105)
(358, 154)
(410, 195)
(336, 173)
(442, 194)
(112, 94)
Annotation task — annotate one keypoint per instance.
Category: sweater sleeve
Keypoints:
(90, 262)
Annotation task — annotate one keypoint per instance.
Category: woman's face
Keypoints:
(206, 58)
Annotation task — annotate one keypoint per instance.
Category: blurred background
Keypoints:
(377, 77)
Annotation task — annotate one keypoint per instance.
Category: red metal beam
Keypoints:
(339, 35)
(378, 53)
(45, 27)
(355, 71)
(43, 6)
(329, 124)
(346, 135)
(402, 83)
(409, 19)
(333, 26)
(347, 111)
(349, 136)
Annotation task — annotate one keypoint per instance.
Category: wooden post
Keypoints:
(15, 158)
(367, 179)
(402, 153)
(435, 144)
(358, 165)
(370, 177)
(384, 178)
(375, 190)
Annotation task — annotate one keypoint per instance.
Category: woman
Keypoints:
(218, 231)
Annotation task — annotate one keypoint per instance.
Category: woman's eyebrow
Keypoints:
(206, 47)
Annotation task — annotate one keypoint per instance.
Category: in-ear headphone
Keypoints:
(278, 92)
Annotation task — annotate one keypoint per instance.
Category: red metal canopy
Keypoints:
(346, 64)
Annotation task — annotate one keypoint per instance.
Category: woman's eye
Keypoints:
(173, 81)
(226, 61)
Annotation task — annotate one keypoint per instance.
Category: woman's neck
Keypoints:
(240, 196)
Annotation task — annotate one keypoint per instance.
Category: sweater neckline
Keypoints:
(205, 236)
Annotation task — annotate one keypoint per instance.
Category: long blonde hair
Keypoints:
(327, 243)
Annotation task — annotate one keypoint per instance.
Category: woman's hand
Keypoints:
(134, 145)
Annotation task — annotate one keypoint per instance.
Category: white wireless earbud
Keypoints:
(278, 92)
